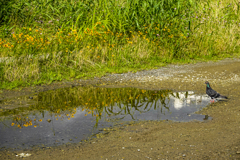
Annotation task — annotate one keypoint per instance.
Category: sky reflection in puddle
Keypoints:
(73, 114)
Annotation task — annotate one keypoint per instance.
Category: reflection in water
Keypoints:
(59, 116)
(185, 99)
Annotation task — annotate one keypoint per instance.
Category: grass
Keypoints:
(42, 41)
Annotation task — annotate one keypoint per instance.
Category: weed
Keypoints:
(46, 41)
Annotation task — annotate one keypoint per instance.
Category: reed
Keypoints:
(44, 41)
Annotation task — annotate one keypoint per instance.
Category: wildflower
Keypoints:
(35, 126)
(30, 29)
(12, 124)
(40, 120)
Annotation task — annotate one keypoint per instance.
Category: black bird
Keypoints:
(213, 94)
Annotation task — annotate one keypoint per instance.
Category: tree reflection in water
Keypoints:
(63, 103)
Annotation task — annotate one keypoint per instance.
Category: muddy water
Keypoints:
(215, 139)
(74, 114)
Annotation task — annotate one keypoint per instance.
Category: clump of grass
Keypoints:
(76, 39)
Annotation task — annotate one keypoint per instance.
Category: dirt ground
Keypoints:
(218, 138)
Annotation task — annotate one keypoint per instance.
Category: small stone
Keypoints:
(238, 152)
(138, 150)
(184, 155)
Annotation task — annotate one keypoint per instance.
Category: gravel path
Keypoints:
(215, 139)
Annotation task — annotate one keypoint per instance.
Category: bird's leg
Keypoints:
(212, 100)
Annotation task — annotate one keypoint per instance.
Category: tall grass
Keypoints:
(47, 40)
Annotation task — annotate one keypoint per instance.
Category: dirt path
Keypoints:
(215, 139)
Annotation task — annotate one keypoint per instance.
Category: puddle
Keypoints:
(73, 114)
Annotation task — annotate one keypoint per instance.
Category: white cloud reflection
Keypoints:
(185, 99)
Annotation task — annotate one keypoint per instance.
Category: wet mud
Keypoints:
(218, 138)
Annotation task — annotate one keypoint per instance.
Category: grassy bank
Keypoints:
(42, 41)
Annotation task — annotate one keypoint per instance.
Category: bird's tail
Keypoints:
(223, 97)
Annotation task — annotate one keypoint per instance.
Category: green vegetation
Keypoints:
(42, 41)
(97, 102)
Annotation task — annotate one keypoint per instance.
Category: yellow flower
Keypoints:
(30, 29)
(12, 124)
(40, 120)
(35, 126)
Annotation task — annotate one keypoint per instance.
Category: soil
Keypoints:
(218, 138)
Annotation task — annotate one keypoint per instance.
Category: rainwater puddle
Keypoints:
(74, 114)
